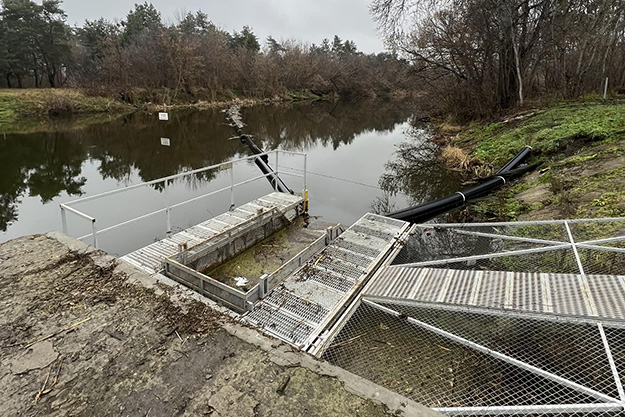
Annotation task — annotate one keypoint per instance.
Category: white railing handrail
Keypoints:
(67, 207)
(173, 177)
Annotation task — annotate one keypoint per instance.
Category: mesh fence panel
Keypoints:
(437, 371)
(466, 357)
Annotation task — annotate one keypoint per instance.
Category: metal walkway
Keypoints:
(150, 258)
(596, 296)
(298, 310)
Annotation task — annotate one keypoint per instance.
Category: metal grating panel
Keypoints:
(460, 289)
(609, 295)
(320, 289)
(355, 242)
(285, 299)
(566, 294)
(327, 278)
(352, 257)
(280, 324)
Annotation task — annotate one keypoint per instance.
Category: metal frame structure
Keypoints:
(69, 207)
(603, 403)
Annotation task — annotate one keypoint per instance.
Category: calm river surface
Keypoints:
(351, 141)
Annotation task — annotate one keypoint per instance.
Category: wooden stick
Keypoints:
(348, 341)
(58, 371)
(65, 329)
(43, 387)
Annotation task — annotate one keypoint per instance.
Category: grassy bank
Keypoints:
(579, 145)
(25, 110)
(29, 110)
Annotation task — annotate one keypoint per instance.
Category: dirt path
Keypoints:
(77, 338)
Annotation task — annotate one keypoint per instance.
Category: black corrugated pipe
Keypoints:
(431, 209)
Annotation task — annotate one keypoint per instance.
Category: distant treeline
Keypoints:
(143, 58)
(477, 56)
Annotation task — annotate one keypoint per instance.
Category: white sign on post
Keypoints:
(165, 142)
(163, 116)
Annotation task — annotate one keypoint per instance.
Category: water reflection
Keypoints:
(416, 171)
(345, 140)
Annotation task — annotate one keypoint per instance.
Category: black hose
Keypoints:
(520, 157)
(431, 209)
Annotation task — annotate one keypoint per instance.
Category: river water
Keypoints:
(351, 150)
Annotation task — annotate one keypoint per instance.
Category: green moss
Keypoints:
(579, 159)
(549, 130)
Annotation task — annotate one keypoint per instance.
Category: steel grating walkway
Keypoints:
(493, 319)
(596, 296)
(150, 258)
(299, 309)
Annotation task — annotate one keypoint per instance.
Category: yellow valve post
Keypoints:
(305, 201)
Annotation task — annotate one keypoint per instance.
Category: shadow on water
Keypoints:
(59, 165)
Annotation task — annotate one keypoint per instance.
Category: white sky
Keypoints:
(305, 20)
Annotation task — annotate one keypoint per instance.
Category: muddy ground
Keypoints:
(78, 338)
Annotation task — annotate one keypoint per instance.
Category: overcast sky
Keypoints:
(306, 20)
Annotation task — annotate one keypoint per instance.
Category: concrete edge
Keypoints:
(280, 353)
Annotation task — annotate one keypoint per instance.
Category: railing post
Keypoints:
(305, 160)
(168, 210)
(95, 234)
(232, 186)
(63, 219)
(275, 180)
(262, 286)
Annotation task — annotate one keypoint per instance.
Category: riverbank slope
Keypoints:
(580, 149)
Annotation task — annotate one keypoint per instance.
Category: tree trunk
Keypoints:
(506, 77)
(9, 80)
(517, 65)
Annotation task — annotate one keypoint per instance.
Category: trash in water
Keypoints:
(241, 282)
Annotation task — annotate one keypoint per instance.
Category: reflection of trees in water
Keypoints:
(300, 127)
(45, 164)
(416, 172)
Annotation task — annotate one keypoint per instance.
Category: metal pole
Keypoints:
(63, 219)
(497, 355)
(168, 209)
(305, 160)
(605, 89)
(486, 256)
(95, 234)
(232, 186)
(529, 409)
(608, 353)
(589, 301)
(276, 177)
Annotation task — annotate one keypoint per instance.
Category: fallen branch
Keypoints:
(65, 329)
(43, 387)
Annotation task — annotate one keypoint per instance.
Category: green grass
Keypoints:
(574, 141)
(26, 110)
(548, 131)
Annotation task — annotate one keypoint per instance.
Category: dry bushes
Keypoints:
(457, 158)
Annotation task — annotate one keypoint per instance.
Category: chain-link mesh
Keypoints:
(472, 317)
(438, 371)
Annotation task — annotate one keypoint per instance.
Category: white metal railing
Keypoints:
(69, 206)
